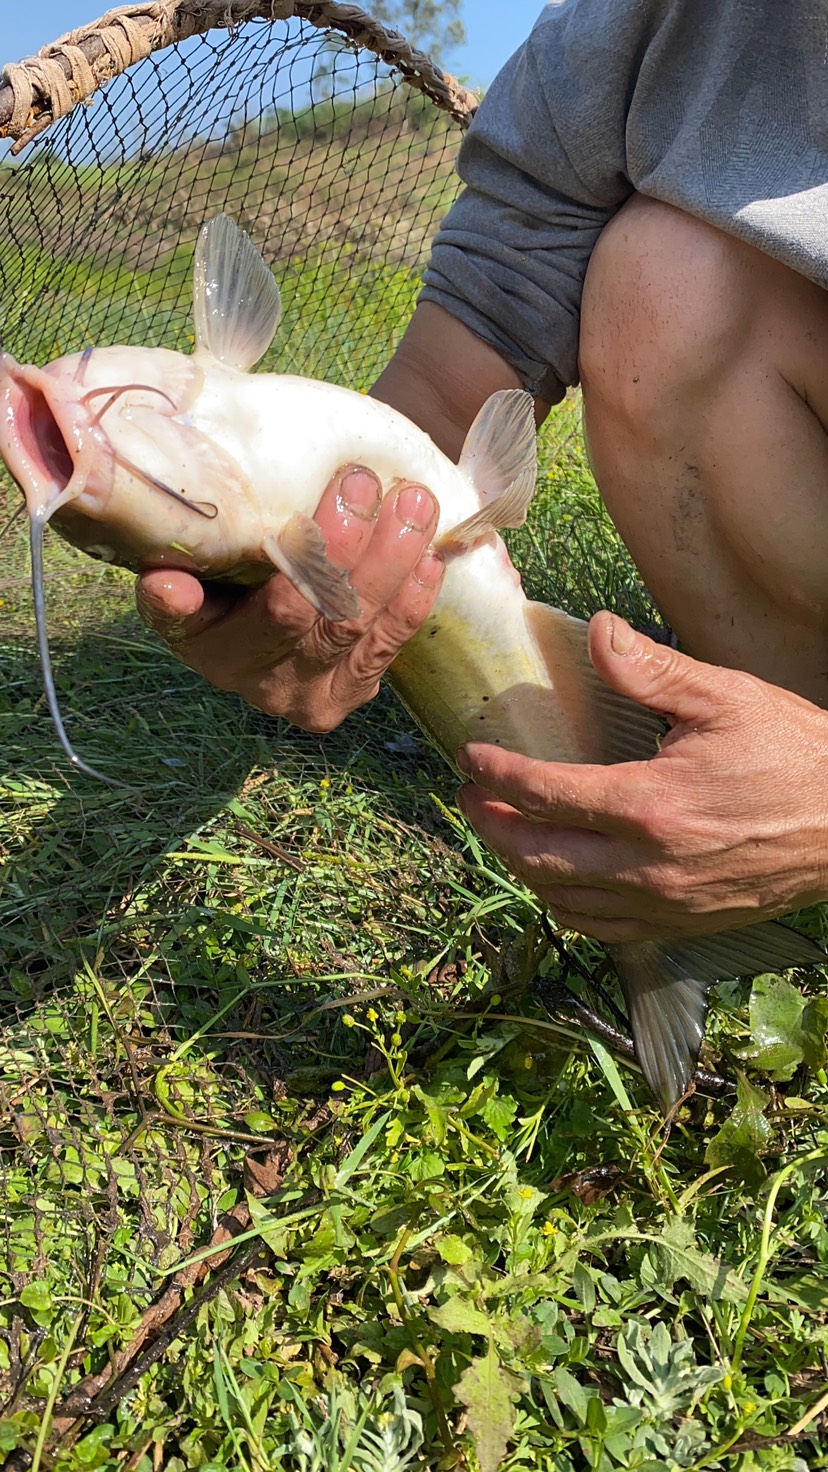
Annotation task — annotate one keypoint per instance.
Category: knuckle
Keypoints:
(319, 717)
(745, 690)
(539, 797)
(604, 930)
(538, 869)
(351, 687)
(320, 724)
(369, 660)
(600, 929)
(329, 641)
(667, 888)
(620, 932)
(404, 621)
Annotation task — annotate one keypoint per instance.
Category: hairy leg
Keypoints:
(706, 406)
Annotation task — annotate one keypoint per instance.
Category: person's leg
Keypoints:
(705, 379)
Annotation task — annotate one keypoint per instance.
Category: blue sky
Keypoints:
(494, 30)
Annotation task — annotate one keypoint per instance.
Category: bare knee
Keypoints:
(668, 306)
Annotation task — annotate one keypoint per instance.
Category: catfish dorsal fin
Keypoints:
(236, 301)
(500, 458)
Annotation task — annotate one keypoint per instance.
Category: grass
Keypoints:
(296, 1171)
(285, 993)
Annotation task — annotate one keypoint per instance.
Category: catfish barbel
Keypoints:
(151, 459)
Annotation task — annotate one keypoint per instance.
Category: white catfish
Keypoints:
(149, 458)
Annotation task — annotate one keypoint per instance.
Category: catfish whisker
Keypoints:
(80, 371)
(36, 525)
(201, 508)
(115, 393)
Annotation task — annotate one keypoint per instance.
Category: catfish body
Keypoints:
(148, 458)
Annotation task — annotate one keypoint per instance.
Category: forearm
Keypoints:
(441, 374)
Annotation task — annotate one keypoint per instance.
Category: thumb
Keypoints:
(177, 606)
(653, 674)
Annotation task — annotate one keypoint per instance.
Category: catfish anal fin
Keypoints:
(300, 552)
(609, 727)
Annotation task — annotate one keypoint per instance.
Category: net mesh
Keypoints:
(337, 169)
(125, 1140)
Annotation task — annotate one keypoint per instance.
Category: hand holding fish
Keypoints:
(272, 647)
(726, 825)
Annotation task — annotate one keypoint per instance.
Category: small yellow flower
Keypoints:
(749, 1406)
(526, 1193)
(548, 1229)
(325, 783)
(373, 1014)
(348, 1020)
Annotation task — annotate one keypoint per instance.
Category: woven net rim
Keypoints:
(38, 91)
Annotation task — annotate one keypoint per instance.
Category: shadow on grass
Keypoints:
(77, 851)
(188, 952)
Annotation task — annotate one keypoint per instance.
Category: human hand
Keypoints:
(270, 646)
(725, 826)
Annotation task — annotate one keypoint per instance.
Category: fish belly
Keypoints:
(475, 670)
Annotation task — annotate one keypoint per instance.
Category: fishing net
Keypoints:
(140, 1039)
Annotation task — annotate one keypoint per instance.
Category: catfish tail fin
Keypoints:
(666, 984)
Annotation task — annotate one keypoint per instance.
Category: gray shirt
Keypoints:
(717, 106)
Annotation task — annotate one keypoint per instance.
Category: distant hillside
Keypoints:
(345, 193)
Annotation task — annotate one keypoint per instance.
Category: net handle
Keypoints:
(36, 92)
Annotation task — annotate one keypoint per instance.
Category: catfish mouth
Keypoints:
(41, 439)
(32, 440)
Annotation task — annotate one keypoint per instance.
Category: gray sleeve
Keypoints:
(544, 164)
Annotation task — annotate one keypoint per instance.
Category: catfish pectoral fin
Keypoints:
(300, 552)
(666, 984)
(500, 458)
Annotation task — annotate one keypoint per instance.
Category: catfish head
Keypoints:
(112, 447)
(101, 446)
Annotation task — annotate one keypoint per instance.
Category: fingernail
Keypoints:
(622, 638)
(415, 507)
(463, 762)
(361, 492)
(429, 569)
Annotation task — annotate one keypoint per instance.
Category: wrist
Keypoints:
(440, 376)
